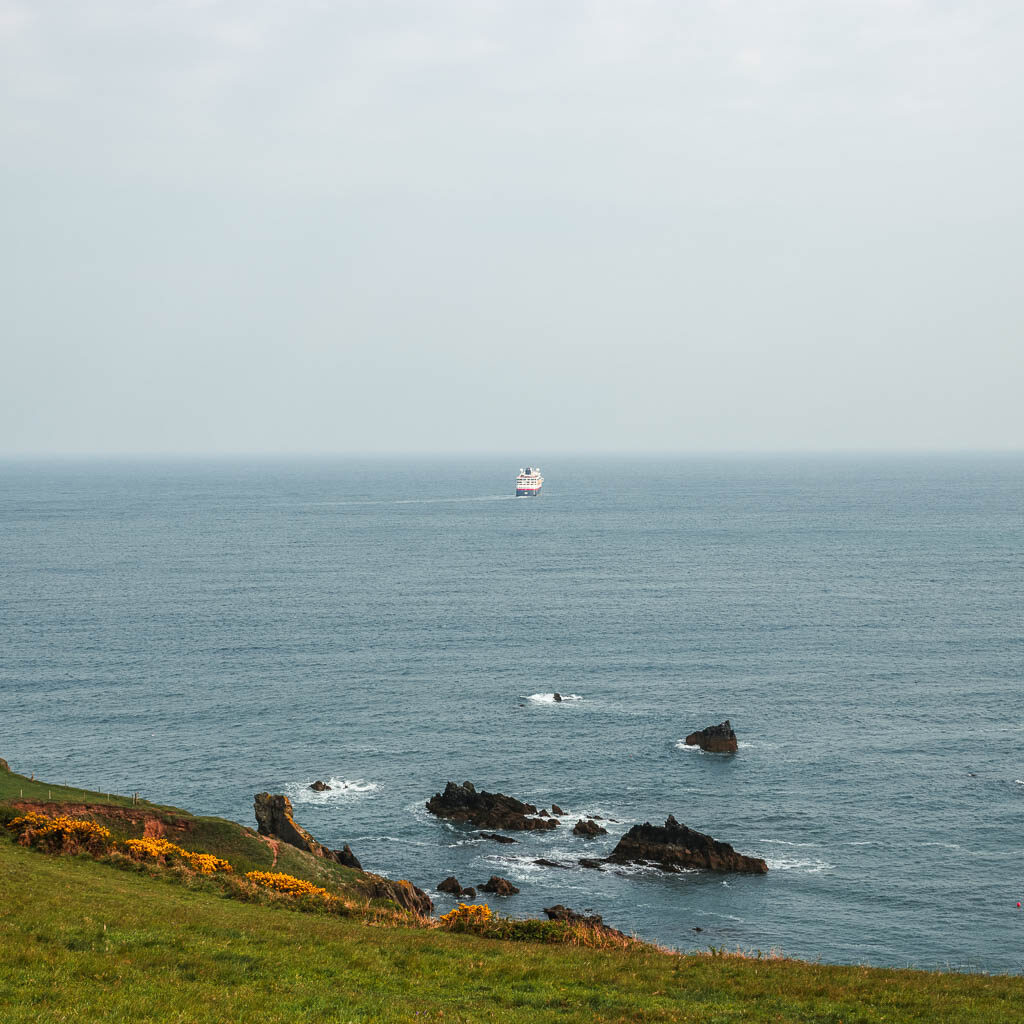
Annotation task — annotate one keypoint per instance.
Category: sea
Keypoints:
(203, 630)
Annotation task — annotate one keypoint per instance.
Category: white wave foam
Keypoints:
(786, 842)
(549, 698)
(691, 747)
(341, 790)
(1020, 782)
(810, 867)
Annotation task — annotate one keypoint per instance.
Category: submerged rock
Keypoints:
(496, 838)
(589, 829)
(590, 862)
(319, 787)
(487, 810)
(543, 862)
(674, 847)
(499, 886)
(715, 739)
(558, 698)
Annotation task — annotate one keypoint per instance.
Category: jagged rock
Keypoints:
(469, 892)
(450, 885)
(543, 814)
(590, 862)
(348, 858)
(4, 765)
(593, 817)
(486, 810)
(589, 829)
(274, 818)
(499, 886)
(715, 739)
(403, 893)
(319, 787)
(560, 913)
(674, 847)
(496, 838)
(545, 863)
(558, 698)
(555, 809)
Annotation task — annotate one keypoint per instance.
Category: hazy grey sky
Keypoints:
(514, 225)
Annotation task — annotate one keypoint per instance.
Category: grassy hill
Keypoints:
(81, 941)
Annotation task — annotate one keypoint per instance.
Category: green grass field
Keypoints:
(82, 941)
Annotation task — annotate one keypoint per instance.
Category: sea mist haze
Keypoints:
(204, 630)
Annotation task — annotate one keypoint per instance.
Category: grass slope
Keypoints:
(83, 942)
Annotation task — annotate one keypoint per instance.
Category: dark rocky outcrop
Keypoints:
(496, 838)
(453, 887)
(274, 818)
(348, 858)
(715, 739)
(402, 893)
(589, 829)
(560, 913)
(487, 810)
(590, 862)
(499, 886)
(319, 787)
(543, 862)
(558, 698)
(555, 809)
(674, 847)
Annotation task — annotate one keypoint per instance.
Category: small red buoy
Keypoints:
(1018, 905)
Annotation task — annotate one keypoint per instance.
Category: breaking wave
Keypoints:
(806, 865)
(341, 790)
(549, 698)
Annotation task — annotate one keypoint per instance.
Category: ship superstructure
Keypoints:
(529, 482)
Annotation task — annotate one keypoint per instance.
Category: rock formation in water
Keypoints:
(558, 698)
(715, 739)
(487, 810)
(348, 858)
(499, 886)
(453, 887)
(555, 809)
(588, 828)
(319, 787)
(674, 847)
(591, 862)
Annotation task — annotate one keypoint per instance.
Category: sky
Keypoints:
(506, 225)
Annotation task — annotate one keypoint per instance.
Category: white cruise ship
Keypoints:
(529, 481)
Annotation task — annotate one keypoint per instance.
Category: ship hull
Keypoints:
(531, 492)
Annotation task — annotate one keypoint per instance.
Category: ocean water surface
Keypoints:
(202, 631)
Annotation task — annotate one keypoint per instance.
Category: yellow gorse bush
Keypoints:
(62, 833)
(162, 850)
(467, 917)
(287, 884)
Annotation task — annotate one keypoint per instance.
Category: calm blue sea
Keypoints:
(202, 631)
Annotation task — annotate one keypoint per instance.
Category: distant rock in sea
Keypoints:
(499, 886)
(674, 847)
(715, 739)
(487, 810)
(319, 787)
(588, 828)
